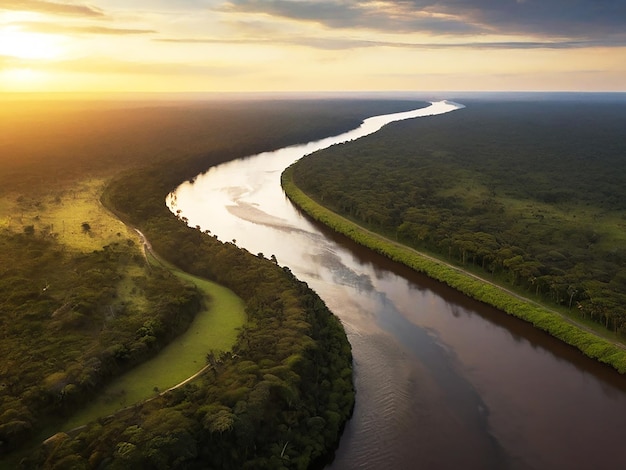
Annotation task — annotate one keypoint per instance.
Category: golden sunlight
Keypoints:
(22, 79)
(26, 45)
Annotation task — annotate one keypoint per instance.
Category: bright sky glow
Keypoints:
(24, 45)
(312, 45)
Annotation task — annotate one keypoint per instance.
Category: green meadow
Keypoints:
(214, 328)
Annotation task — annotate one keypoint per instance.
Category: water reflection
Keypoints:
(442, 381)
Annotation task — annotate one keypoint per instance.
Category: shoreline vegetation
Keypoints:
(463, 217)
(469, 284)
(279, 399)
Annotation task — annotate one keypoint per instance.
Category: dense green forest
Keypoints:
(66, 330)
(531, 193)
(278, 401)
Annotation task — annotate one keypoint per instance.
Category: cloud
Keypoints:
(104, 66)
(111, 66)
(329, 43)
(582, 19)
(390, 16)
(62, 29)
(571, 18)
(44, 6)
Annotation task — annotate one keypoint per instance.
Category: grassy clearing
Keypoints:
(614, 230)
(128, 292)
(62, 214)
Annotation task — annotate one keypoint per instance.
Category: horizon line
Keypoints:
(191, 95)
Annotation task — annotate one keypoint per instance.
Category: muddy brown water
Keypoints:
(443, 382)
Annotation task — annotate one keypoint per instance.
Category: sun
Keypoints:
(27, 45)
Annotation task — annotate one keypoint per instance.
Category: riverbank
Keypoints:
(465, 282)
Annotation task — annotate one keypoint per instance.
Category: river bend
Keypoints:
(443, 382)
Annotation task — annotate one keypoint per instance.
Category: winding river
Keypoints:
(443, 382)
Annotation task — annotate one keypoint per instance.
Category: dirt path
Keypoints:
(147, 247)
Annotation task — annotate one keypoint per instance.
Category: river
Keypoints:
(443, 382)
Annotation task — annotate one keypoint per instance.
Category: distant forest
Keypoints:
(533, 193)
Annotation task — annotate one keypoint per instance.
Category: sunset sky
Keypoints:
(312, 45)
